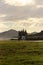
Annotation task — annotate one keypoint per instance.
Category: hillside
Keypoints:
(36, 36)
(8, 34)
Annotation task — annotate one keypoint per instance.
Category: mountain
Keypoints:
(13, 34)
(9, 34)
(36, 36)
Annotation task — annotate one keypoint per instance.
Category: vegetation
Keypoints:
(21, 53)
(22, 35)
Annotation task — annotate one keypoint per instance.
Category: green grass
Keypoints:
(21, 53)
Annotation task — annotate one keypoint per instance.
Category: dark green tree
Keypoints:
(22, 33)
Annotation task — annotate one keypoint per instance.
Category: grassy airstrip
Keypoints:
(21, 53)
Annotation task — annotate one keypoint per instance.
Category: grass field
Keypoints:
(21, 53)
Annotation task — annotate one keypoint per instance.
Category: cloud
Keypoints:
(22, 13)
(39, 2)
(3, 27)
(13, 13)
(20, 2)
(32, 24)
(19, 17)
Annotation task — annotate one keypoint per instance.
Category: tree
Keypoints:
(22, 34)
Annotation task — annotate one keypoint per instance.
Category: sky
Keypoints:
(21, 14)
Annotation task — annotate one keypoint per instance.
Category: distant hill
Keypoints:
(9, 34)
(36, 36)
(13, 34)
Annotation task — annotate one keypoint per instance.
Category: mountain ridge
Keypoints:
(9, 34)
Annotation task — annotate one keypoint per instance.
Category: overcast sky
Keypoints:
(21, 14)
